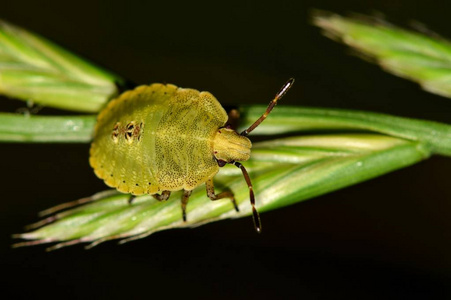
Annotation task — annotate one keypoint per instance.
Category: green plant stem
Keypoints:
(46, 129)
(23, 128)
(296, 119)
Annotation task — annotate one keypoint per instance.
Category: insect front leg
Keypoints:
(233, 120)
(227, 194)
(185, 199)
(163, 197)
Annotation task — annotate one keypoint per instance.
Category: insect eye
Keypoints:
(221, 163)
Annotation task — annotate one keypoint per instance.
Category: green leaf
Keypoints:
(284, 172)
(420, 58)
(33, 68)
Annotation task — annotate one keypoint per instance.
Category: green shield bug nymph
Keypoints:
(160, 138)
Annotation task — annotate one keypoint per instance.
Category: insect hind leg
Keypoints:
(227, 194)
(163, 197)
(185, 199)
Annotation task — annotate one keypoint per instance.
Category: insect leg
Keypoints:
(234, 119)
(163, 197)
(255, 215)
(227, 194)
(185, 199)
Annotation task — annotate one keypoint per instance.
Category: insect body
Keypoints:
(160, 138)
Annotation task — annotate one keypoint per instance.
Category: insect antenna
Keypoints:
(255, 215)
(271, 105)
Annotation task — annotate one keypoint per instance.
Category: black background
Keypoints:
(386, 237)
